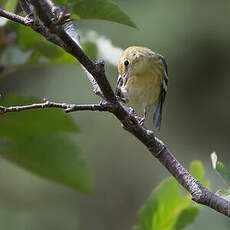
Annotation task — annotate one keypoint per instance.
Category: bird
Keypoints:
(143, 80)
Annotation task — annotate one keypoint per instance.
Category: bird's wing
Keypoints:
(159, 104)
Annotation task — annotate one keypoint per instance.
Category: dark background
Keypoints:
(194, 37)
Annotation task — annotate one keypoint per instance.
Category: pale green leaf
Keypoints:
(197, 171)
(220, 168)
(167, 208)
(3, 21)
(163, 207)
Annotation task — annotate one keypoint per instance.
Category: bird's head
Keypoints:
(134, 61)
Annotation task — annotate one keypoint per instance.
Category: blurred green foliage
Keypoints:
(14, 56)
(194, 38)
(35, 141)
(52, 156)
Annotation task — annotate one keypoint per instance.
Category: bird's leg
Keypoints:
(144, 117)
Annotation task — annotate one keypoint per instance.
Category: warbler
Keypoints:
(143, 80)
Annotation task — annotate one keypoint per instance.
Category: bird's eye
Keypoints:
(126, 62)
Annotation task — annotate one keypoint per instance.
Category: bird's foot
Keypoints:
(141, 120)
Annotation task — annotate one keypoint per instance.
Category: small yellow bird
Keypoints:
(142, 80)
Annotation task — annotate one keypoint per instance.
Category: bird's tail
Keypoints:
(157, 115)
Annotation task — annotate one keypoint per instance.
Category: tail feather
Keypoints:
(158, 114)
(158, 109)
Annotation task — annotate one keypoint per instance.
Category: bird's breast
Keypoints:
(142, 89)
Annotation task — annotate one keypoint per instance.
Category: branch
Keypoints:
(199, 193)
(12, 17)
(31, 21)
(68, 108)
(67, 37)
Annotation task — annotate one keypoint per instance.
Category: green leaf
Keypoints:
(53, 156)
(91, 49)
(100, 9)
(224, 193)
(167, 208)
(223, 171)
(33, 122)
(63, 58)
(12, 56)
(34, 49)
(9, 5)
(32, 139)
(220, 168)
(187, 216)
(29, 40)
(197, 171)
(163, 207)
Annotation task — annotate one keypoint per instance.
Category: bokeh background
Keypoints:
(194, 37)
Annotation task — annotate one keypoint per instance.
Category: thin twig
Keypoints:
(38, 27)
(68, 108)
(13, 17)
